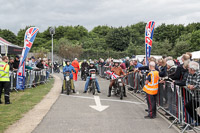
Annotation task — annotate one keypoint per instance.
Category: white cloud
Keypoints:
(16, 14)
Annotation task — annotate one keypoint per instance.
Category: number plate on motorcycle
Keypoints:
(93, 75)
(67, 78)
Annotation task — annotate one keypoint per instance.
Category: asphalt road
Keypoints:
(73, 114)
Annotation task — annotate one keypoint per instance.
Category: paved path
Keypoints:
(72, 114)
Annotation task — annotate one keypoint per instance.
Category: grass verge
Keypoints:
(22, 102)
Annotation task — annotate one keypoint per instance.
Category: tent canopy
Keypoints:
(9, 48)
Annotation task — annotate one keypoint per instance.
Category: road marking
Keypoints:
(98, 105)
(112, 100)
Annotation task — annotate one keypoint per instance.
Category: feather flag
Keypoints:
(28, 42)
(148, 39)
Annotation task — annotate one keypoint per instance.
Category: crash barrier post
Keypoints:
(32, 78)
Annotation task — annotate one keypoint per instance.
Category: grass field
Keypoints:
(22, 102)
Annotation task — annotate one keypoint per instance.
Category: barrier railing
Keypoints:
(32, 78)
(179, 103)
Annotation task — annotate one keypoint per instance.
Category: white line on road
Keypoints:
(112, 100)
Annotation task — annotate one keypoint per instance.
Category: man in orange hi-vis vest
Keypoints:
(75, 64)
(151, 89)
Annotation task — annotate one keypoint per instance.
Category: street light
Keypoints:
(52, 32)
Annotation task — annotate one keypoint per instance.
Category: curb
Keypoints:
(32, 118)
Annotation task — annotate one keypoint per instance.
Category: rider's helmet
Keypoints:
(91, 62)
(84, 60)
(116, 62)
(67, 60)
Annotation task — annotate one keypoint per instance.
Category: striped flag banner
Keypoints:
(149, 29)
(28, 42)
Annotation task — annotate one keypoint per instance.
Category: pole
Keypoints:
(52, 52)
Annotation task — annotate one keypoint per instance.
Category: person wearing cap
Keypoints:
(69, 68)
(5, 79)
(91, 66)
(16, 63)
(116, 69)
(83, 66)
(75, 64)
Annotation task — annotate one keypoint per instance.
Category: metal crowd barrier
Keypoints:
(32, 78)
(172, 99)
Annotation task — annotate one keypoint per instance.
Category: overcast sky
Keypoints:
(16, 14)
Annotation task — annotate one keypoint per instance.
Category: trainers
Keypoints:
(109, 95)
(98, 91)
(125, 95)
(84, 91)
(74, 91)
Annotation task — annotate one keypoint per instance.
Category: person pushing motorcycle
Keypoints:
(116, 69)
(69, 68)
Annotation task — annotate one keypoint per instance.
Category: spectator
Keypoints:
(40, 64)
(11, 63)
(178, 74)
(16, 63)
(127, 62)
(193, 83)
(32, 65)
(162, 66)
(190, 55)
(136, 63)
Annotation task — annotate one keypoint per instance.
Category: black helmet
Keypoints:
(67, 60)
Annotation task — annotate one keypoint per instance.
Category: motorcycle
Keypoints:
(56, 68)
(84, 75)
(66, 83)
(92, 83)
(118, 87)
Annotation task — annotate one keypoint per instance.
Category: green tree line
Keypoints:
(105, 41)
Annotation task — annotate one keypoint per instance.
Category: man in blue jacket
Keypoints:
(69, 68)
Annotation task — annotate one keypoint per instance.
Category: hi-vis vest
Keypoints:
(64, 64)
(152, 87)
(4, 71)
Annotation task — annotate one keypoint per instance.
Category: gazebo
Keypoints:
(9, 48)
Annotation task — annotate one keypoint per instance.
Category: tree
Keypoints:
(66, 49)
(9, 36)
(118, 39)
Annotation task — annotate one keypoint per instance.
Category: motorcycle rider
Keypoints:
(91, 66)
(83, 66)
(118, 71)
(69, 68)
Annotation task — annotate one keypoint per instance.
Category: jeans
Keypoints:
(87, 83)
(47, 74)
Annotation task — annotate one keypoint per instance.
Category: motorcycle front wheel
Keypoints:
(93, 87)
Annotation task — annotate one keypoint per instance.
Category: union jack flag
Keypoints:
(28, 42)
(113, 76)
(148, 39)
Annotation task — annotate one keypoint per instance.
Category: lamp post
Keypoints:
(52, 32)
